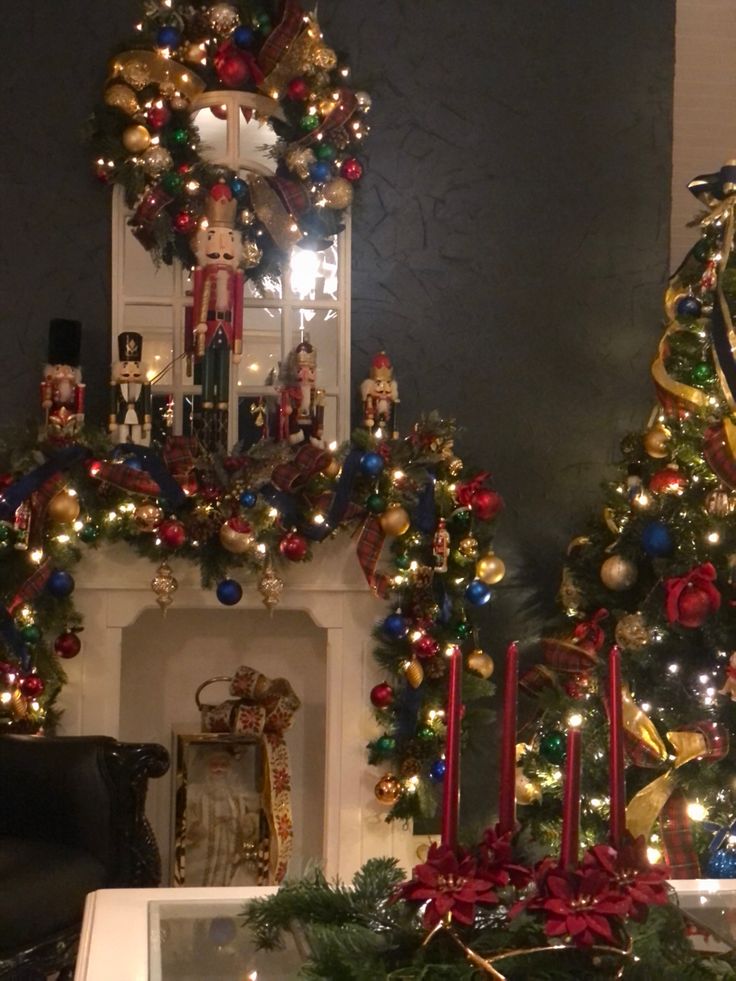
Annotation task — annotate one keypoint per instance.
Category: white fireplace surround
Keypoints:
(113, 590)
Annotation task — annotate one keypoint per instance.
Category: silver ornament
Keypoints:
(156, 160)
(223, 18)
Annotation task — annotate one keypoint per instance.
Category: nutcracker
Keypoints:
(301, 403)
(441, 547)
(380, 396)
(130, 393)
(214, 328)
(729, 685)
(62, 389)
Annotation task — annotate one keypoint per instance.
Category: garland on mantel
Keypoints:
(422, 528)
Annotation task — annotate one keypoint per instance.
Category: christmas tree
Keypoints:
(655, 574)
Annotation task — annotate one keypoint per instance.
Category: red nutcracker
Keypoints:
(380, 395)
(62, 389)
(441, 547)
(301, 403)
(214, 330)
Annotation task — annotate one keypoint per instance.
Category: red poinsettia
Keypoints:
(496, 863)
(642, 884)
(448, 883)
(582, 904)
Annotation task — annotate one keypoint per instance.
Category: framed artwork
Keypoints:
(221, 834)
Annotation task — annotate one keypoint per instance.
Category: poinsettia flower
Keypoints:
(643, 884)
(448, 883)
(496, 862)
(582, 904)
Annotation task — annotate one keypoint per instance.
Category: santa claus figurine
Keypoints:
(380, 396)
(301, 403)
(214, 331)
(62, 389)
(130, 393)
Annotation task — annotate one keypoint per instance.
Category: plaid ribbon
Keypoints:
(309, 461)
(126, 478)
(677, 838)
(179, 454)
(281, 37)
(719, 450)
(293, 195)
(340, 115)
(368, 550)
(32, 587)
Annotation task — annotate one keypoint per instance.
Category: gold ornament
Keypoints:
(527, 791)
(387, 790)
(136, 73)
(326, 106)
(237, 542)
(324, 58)
(247, 217)
(63, 508)
(122, 97)
(490, 569)
(156, 160)
(410, 768)
(332, 469)
(454, 466)
(338, 193)
(194, 53)
(719, 503)
(468, 547)
(394, 521)
(223, 18)
(147, 517)
(299, 159)
(270, 587)
(414, 673)
(136, 139)
(164, 585)
(179, 103)
(480, 663)
(252, 254)
(618, 573)
(657, 441)
(632, 632)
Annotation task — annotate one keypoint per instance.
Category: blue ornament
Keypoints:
(248, 498)
(395, 626)
(722, 864)
(60, 584)
(222, 930)
(688, 306)
(320, 171)
(168, 37)
(477, 592)
(437, 771)
(371, 464)
(238, 186)
(229, 592)
(656, 539)
(243, 36)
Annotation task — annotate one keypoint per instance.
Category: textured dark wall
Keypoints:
(509, 245)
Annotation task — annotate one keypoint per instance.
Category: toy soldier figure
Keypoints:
(215, 329)
(301, 403)
(380, 395)
(62, 390)
(441, 547)
(130, 393)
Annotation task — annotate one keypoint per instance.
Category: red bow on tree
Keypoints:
(466, 491)
(691, 598)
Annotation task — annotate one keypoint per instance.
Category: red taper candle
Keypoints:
(507, 790)
(451, 795)
(571, 801)
(616, 743)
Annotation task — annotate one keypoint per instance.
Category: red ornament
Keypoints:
(172, 533)
(231, 66)
(486, 504)
(690, 599)
(158, 116)
(293, 547)
(297, 89)
(219, 112)
(67, 645)
(31, 685)
(382, 695)
(425, 646)
(185, 222)
(240, 525)
(351, 169)
(668, 481)
(102, 175)
(5, 480)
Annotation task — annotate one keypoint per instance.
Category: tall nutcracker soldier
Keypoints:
(130, 393)
(380, 395)
(214, 329)
(62, 389)
(301, 403)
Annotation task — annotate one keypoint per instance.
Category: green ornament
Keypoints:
(376, 504)
(178, 136)
(460, 519)
(402, 561)
(4, 533)
(263, 23)
(462, 630)
(31, 633)
(459, 559)
(89, 533)
(172, 182)
(309, 123)
(426, 734)
(325, 151)
(385, 744)
(552, 747)
(702, 373)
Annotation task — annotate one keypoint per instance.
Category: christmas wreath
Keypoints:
(188, 56)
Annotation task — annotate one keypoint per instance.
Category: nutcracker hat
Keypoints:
(130, 346)
(381, 367)
(65, 342)
(305, 354)
(220, 206)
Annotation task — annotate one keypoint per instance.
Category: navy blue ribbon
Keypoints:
(14, 639)
(425, 513)
(155, 467)
(707, 187)
(14, 494)
(720, 833)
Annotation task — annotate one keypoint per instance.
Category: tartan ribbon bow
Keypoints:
(292, 476)
(701, 577)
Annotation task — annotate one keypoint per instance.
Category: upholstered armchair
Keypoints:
(71, 821)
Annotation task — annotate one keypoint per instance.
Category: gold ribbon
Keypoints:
(691, 398)
(268, 206)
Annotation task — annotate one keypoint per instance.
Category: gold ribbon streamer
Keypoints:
(268, 206)
(694, 398)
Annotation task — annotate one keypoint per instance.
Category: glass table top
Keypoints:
(190, 940)
(710, 905)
